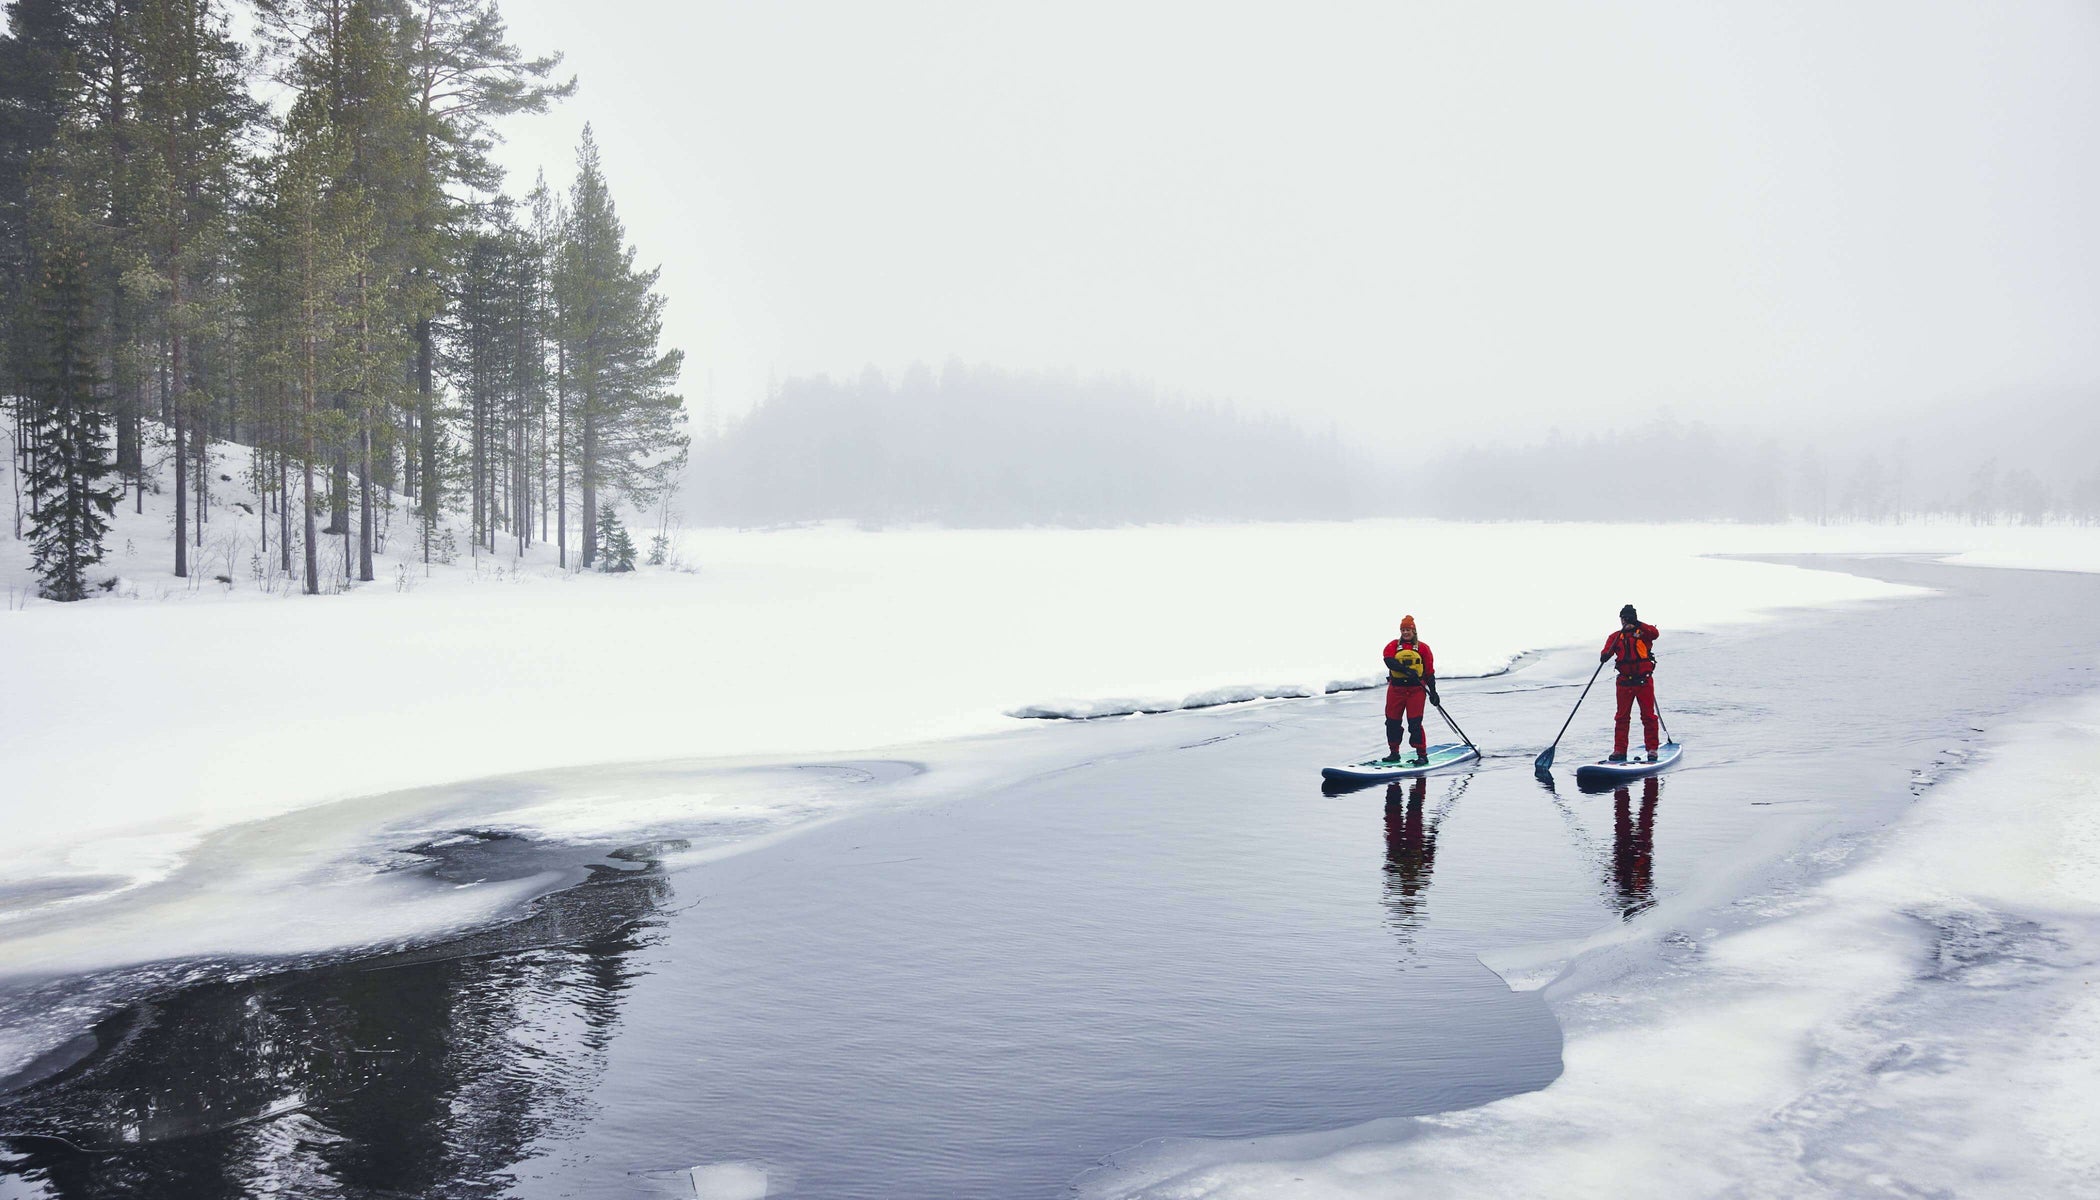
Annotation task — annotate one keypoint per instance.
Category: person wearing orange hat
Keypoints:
(1410, 681)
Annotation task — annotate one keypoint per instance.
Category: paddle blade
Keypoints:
(1544, 762)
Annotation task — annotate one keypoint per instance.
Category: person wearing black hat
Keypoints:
(1634, 646)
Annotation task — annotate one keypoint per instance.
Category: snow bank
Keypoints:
(1923, 1023)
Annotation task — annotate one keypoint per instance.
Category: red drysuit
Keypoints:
(1636, 655)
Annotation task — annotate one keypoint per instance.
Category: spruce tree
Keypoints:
(629, 434)
(619, 547)
(69, 470)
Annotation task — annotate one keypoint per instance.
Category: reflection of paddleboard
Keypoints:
(1633, 768)
(1403, 767)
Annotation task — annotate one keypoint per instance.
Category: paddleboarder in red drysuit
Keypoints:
(1410, 679)
(1634, 646)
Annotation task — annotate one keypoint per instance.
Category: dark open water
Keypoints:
(981, 998)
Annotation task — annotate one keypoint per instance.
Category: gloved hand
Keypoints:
(1433, 698)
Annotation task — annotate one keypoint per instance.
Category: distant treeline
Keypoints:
(1667, 471)
(979, 446)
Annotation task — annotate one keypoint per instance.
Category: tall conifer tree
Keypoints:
(191, 112)
(629, 435)
(465, 74)
(36, 85)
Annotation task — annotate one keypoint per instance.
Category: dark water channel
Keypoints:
(983, 997)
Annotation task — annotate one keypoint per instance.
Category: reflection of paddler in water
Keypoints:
(1410, 848)
(1410, 842)
(1633, 847)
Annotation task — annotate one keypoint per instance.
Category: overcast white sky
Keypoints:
(1460, 218)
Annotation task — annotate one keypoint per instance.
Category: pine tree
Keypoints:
(304, 242)
(191, 113)
(629, 437)
(464, 75)
(493, 355)
(35, 86)
(348, 61)
(550, 220)
(619, 547)
(71, 463)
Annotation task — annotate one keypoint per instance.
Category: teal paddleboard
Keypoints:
(1374, 770)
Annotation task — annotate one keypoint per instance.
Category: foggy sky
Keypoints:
(1454, 218)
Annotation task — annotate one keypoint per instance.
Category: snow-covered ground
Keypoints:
(1925, 1022)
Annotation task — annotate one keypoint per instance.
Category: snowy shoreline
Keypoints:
(1908, 1011)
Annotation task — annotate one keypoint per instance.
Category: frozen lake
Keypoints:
(987, 994)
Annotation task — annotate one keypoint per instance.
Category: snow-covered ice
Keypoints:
(729, 1181)
(1924, 1022)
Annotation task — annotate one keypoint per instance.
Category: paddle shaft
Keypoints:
(1547, 757)
(1455, 729)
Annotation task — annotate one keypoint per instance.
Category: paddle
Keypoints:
(1545, 759)
(1455, 729)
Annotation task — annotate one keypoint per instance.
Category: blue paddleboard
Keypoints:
(1634, 767)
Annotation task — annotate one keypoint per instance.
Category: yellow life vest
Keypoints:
(1407, 659)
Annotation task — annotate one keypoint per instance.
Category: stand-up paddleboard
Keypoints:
(1378, 770)
(1634, 767)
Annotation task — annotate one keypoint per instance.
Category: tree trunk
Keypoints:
(339, 488)
(561, 456)
(259, 464)
(128, 455)
(364, 505)
(201, 438)
(182, 459)
(138, 462)
(313, 548)
(284, 488)
(428, 478)
(364, 445)
(587, 468)
(341, 503)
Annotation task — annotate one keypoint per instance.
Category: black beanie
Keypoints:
(1627, 614)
